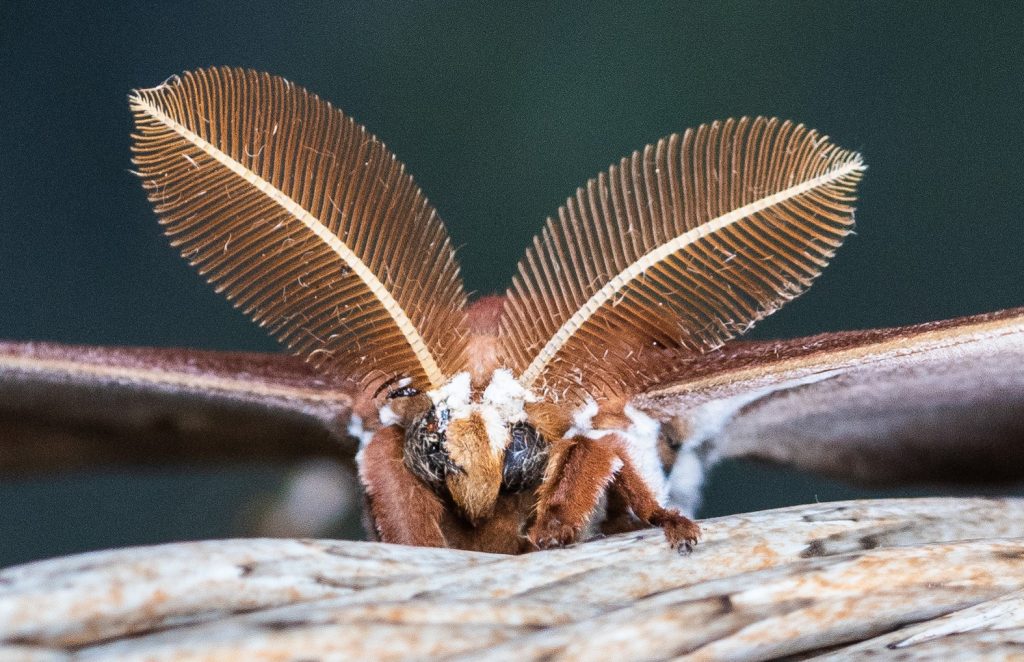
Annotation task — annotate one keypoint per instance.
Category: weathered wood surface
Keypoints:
(906, 579)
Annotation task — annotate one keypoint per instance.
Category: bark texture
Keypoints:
(913, 579)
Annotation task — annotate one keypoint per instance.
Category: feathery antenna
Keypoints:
(684, 244)
(305, 221)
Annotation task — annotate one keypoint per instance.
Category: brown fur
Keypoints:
(482, 350)
(550, 420)
(618, 516)
(407, 409)
(681, 532)
(579, 471)
(403, 509)
(477, 515)
(611, 420)
(575, 483)
(504, 532)
(476, 490)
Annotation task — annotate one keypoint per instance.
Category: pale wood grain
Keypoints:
(831, 578)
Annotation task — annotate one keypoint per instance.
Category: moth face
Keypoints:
(472, 447)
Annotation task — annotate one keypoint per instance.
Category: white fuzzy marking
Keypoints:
(503, 403)
(698, 451)
(497, 429)
(583, 419)
(641, 437)
(387, 416)
(642, 444)
(455, 395)
(507, 395)
(355, 429)
(686, 481)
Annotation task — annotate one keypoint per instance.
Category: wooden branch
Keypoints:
(829, 579)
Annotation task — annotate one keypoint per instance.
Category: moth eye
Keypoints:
(425, 453)
(396, 387)
(403, 392)
(526, 457)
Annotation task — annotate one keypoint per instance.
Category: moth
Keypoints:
(593, 395)
(504, 425)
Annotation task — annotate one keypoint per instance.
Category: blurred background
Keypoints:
(500, 113)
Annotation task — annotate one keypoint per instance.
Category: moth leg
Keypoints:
(618, 516)
(583, 470)
(682, 532)
(401, 508)
(579, 471)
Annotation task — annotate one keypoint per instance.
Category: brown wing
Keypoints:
(936, 402)
(683, 245)
(66, 407)
(305, 221)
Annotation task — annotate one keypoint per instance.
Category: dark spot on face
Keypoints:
(246, 569)
(526, 457)
(426, 453)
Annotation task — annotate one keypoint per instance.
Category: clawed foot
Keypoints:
(552, 533)
(682, 532)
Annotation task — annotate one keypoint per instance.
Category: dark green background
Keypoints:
(500, 114)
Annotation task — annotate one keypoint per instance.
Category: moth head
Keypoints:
(471, 446)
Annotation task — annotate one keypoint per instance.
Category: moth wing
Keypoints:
(937, 402)
(68, 407)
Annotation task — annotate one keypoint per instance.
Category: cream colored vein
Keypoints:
(963, 336)
(635, 270)
(358, 267)
(158, 377)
